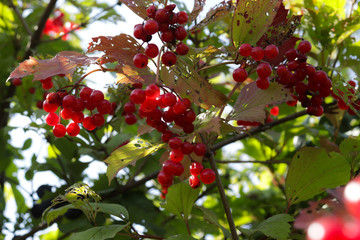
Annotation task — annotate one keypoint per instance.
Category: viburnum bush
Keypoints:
(194, 96)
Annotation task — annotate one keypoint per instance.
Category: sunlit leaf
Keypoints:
(131, 74)
(312, 171)
(128, 154)
(64, 62)
(251, 102)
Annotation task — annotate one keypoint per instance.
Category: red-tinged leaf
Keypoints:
(220, 10)
(191, 85)
(198, 7)
(252, 19)
(138, 6)
(208, 122)
(121, 48)
(131, 74)
(280, 33)
(314, 211)
(63, 63)
(252, 101)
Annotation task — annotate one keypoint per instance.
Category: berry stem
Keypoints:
(157, 80)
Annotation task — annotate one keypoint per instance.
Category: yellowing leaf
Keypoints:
(250, 104)
(64, 62)
(131, 74)
(128, 154)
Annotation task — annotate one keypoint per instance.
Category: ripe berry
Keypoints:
(72, 129)
(104, 107)
(139, 31)
(240, 75)
(97, 119)
(182, 17)
(166, 136)
(130, 119)
(207, 176)
(262, 83)
(151, 26)
(148, 105)
(129, 107)
(196, 168)
(68, 101)
(352, 197)
(180, 33)
(263, 70)
(162, 16)
(168, 58)
(152, 91)
(79, 105)
(271, 51)
(151, 11)
(52, 119)
(96, 97)
(291, 54)
(87, 124)
(16, 81)
(245, 49)
(274, 111)
(194, 181)
(140, 60)
(176, 155)
(189, 116)
(47, 83)
(151, 50)
(137, 85)
(53, 98)
(200, 149)
(85, 93)
(187, 148)
(167, 36)
(179, 108)
(169, 99)
(59, 130)
(175, 143)
(137, 96)
(182, 49)
(325, 228)
(292, 65)
(48, 107)
(164, 179)
(304, 46)
(257, 53)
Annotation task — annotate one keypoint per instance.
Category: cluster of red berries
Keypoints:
(173, 167)
(168, 24)
(345, 225)
(72, 108)
(350, 93)
(263, 70)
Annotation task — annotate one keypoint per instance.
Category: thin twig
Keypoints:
(22, 20)
(252, 161)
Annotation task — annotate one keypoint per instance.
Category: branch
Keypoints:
(256, 130)
(37, 228)
(35, 39)
(22, 20)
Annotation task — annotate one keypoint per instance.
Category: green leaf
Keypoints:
(350, 148)
(180, 200)
(19, 199)
(27, 144)
(98, 233)
(312, 171)
(181, 237)
(250, 104)
(211, 217)
(128, 154)
(276, 227)
(112, 209)
(53, 214)
(251, 20)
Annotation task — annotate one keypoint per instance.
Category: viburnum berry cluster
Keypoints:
(345, 99)
(71, 107)
(169, 25)
(166, 113)
(344, 225)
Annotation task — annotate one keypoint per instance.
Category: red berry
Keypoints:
(169, 115)
(271, 51)
(245, 49)
(196, 168)
(96, 97)
(175, 143)
(85, 93)
(179, 108)
(187, 148)
(291, 54)
(104, 107)
(316, 100)
(152, 91)
(97, 119)
(189, 116)
(72, 129)
(162, 16)
(274, 111)
(148, 105)
(304, 46)
(139, 31)
(262, 83)
(68, 101)
(352, 197)
(67, 113)
(200, 149)
(310, 70)
(176, 155)
(129, 107)
(79, 105)
(207, 176)
(257, 53)
(166, 136)
(53, 98)
(16, 81)
(47, 84)
(32, 90)
(168, 58)
(137, 85)
(182, 17)
(167, 36)
(140, 60)
(263, 70)
(194, 181)
(151, 50)
(78, 117)
(151, 11)
(52, 119)
(169, 99)
(292, 65)
(151, 26)
(48, 107)
(137, 96)
(182, 49)
(180, 33)
(130, 119)
(164, 179)
(325, 228)
(87, 124)
(59, 130)
(240, 75)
